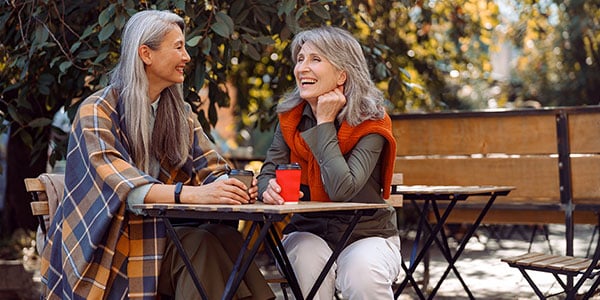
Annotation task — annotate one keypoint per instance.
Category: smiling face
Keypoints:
(165, 65)
(315, 75)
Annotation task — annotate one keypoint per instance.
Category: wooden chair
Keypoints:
(39, 203)
(45, 191)
(557, 265)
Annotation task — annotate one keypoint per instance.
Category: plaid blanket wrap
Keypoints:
(95, 248)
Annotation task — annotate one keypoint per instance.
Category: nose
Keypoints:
(186, 56)
(301, 66)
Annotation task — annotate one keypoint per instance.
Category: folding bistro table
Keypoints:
(263, 216)
(430, 197)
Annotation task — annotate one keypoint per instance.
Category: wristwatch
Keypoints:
(178, 187)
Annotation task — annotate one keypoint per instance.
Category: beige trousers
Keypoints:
(364, 270)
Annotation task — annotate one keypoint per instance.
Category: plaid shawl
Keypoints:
(96, 249)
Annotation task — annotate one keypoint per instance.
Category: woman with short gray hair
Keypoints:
(335, 126)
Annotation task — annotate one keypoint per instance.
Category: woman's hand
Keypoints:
(271, 194)
(226, 191)
(329, 105)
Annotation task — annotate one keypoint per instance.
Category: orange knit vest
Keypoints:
(348, 136)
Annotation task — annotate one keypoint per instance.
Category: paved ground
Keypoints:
(480, 266)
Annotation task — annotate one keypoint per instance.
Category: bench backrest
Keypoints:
(39, 203)
(551, 156)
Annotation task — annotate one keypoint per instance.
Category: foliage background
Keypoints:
(425, 55)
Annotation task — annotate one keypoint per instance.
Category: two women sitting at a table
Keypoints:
(335, 126)
(138, 141)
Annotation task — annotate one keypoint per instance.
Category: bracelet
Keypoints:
(178, 188)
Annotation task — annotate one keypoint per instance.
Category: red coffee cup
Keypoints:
(288, 178)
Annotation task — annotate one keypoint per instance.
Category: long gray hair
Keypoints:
(364, 101)
(170, 138)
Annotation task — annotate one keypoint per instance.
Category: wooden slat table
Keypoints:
(263, 216)
(431, 196)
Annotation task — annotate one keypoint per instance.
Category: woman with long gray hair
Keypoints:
(335, 126)
(137, 141)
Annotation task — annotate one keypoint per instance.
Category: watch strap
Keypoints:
(178, 188)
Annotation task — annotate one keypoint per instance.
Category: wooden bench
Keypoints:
(551, 156)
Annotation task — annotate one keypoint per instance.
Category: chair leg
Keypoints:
(589, 249)
(532, 284)
(592, 289)
(284, 286)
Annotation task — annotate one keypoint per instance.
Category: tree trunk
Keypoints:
(17, 212)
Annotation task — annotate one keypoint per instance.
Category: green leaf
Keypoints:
(237, 7)
(226, 24)
(75, 46)
(199, 75)
(120, 21)
(292, 23)
(40, 122)
(193, 41)
(106, 32)
(249, 50)
(89, 30)
(221, 16)
(265, 40)
(180, 4)
(321, 11)
(54, 60)
(206, 46)
(40, 36)
(381, 70)
(64, 66)
(101, 57)
(26, 138)
(106, 15)
(405, 73)
(86, 54)
(221, 29)
(14, 114)
(393, 86)
(286, 7)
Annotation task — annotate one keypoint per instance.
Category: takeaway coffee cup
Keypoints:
(288, 178)
(244, 176)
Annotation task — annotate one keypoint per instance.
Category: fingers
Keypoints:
(271, 194)
(228, 191)
(329, 105)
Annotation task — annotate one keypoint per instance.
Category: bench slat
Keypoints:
(553, 262)
(40, 208)
(457, 134)
(535, 178)
(582, 139)
(34, 185)
(514, 259)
